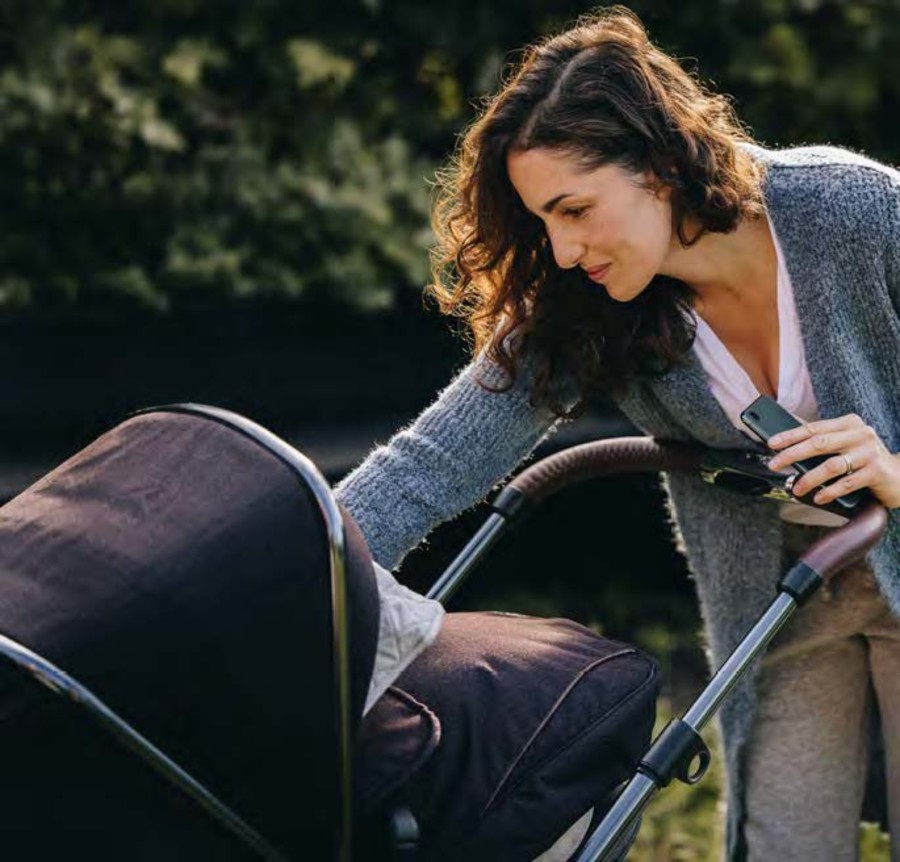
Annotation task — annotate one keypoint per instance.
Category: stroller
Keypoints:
(203, 620)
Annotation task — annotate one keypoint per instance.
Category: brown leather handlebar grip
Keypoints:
(847, 544)
(603, 458)
(837, 549)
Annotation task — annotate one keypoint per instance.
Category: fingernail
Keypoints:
(774, 441)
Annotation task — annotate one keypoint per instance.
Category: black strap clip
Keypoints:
(673, 754)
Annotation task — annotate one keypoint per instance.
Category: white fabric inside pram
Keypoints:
(408, 623)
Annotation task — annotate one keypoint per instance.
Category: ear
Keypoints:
(669, 175)
(660, 186)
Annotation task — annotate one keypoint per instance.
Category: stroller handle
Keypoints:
(837, 549)
(741, 471)
(840, 547)
(601, 458)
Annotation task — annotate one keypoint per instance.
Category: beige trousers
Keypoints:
(834, 662)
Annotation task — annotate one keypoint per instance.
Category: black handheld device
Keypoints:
(766, 418)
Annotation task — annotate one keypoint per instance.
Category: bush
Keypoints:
(143, 167)
(180, 151)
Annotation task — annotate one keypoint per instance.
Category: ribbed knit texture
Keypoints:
(447, 460)
(837, 215)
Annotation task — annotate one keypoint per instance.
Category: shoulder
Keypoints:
(818, 160)
(843, 186)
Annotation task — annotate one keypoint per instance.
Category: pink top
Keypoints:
(734, 390)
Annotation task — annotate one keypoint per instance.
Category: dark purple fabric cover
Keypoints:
(180, 571)
(397, 737)
(540, 720)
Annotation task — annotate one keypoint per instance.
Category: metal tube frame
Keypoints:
(608, 841)
(603, 844)
(451, 580)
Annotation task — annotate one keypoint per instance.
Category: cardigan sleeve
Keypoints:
(445, 461)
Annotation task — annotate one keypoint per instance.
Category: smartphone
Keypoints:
(766, 418)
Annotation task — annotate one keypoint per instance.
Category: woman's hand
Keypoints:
(858, 456)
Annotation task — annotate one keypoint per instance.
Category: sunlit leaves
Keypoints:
(316, 65)
(189, 58)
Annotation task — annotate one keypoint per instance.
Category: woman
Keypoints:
(607, 225)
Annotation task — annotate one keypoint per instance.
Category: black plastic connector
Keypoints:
(672, 754)
(405, 835)
(800, 582)
(510, 503)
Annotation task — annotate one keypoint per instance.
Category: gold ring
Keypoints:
(849, 464)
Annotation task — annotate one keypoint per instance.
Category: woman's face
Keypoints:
(609, 221)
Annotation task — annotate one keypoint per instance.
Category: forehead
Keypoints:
(540, 175)
(541, 167)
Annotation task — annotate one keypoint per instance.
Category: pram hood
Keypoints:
(180, 570)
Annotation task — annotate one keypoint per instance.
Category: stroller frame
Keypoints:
(675, 749)
(679, 745)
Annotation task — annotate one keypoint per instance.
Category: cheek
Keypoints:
(641, 238)
(654, 226)
(640, 230)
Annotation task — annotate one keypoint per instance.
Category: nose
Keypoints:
(568, 248)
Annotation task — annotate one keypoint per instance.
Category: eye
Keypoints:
(574, 212)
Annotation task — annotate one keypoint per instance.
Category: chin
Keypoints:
(624, 293)
(620, 295)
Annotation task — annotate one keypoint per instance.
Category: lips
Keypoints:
(597, 273)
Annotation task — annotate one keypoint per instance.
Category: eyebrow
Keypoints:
(551, 204)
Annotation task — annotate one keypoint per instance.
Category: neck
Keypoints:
(729, 267)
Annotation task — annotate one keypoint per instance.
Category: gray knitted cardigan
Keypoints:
(837, 216)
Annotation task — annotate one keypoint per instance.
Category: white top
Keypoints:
(734, 390)
(408, 622)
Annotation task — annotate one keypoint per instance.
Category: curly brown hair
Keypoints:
(603, 93)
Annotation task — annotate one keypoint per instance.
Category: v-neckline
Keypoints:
(735, 367)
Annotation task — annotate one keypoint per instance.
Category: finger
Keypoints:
(790, 437)
(850, 460)
(834, 468)
(821, 443)
(811, 429)
(846, 484)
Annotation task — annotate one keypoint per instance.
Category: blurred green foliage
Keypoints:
(157, 154)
